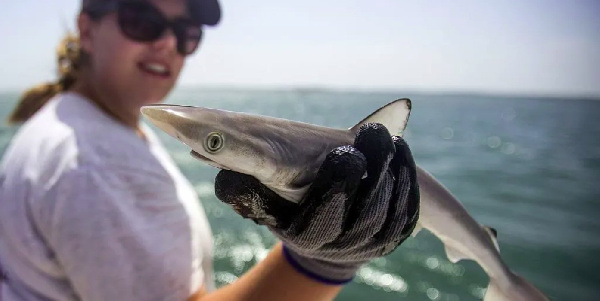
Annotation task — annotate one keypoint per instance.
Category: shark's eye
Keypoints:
(214, 142)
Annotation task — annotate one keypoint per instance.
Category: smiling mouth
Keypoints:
(155, 69)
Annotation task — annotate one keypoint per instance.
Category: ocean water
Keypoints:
(529, 167)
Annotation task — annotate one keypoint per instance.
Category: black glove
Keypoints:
(345, 218)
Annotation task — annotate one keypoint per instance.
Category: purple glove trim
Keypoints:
(309, 274)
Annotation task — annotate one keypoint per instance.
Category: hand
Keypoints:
(345, 218)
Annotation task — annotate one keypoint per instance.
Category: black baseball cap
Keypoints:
(207, 12)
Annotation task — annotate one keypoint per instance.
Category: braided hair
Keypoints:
(69, 59)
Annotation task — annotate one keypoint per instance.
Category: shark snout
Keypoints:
(174, 120)
(155, 113)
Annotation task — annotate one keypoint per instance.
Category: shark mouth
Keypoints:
(207, 160)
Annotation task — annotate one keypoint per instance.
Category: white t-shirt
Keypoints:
(89, 210)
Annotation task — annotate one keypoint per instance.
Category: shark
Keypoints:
(285, 156)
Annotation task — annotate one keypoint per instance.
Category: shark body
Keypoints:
(285, 156)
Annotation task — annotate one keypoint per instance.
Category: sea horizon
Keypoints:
(365, 90)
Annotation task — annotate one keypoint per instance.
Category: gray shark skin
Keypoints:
(464, 238)
(285, 155)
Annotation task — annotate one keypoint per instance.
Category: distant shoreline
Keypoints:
(309, 89)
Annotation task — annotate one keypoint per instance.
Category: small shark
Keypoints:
(285, 156)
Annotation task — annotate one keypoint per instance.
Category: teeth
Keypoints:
(158, 68)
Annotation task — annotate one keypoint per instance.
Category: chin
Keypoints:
(151, 96)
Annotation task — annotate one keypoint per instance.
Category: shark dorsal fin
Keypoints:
(394, 116)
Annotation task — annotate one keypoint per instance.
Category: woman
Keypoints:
(92, 207)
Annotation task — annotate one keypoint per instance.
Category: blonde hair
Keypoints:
(69, 62)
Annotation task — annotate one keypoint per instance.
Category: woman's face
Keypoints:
(127, 73)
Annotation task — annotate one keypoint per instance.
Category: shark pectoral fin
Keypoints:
(454, 255)
(394, 116)
(417, 229)
(493, 236)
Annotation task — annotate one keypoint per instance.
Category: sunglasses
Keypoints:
(142, 22)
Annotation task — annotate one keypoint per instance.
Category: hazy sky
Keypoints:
(530, 46)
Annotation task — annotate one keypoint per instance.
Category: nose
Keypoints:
(167, 41)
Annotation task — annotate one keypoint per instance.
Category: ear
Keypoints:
(84, 26)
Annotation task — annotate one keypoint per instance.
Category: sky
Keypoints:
(542, 47)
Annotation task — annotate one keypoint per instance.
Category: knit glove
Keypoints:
(345, 218)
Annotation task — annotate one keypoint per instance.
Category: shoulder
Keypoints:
(70, 135)
(99, 139)
(41, 148)
(70, 127)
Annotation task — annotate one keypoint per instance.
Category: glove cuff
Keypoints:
(331, 273)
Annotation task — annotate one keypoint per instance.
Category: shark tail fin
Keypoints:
(517, 289)
(394, 116)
